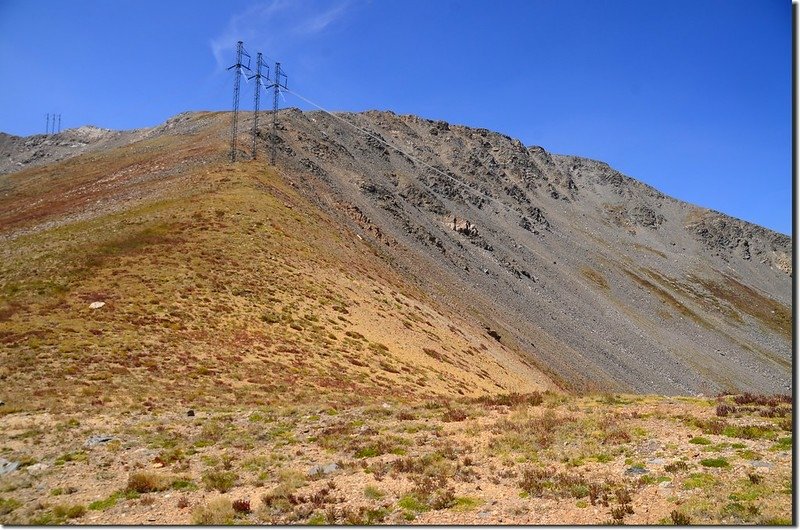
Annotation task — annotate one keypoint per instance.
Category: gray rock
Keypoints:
(648, 447)
(326, 469)
(97, 439)
(636, 470)
(656, 462)
(7, 466)
(760, 463)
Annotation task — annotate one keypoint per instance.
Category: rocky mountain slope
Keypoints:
(17, 153)
(587, 275)
(599, 277)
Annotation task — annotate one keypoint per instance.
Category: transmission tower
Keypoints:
(59, 123)
(280, 82)
(47, 127)
(258, 76)
(240, 53)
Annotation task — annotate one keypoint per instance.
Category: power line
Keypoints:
(495, 200)
(403, 152)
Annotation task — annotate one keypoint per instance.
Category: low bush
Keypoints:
(512, 399)
(241, 506)
(715, 462)
(221, 481)
(680, 518)
(216, 512)
(8, 505)
(147, 481)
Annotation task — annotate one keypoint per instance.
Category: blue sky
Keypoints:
(690, 96)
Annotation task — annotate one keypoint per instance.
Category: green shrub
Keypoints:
(221, 481)
(62, 511)
(8, 505)
(170, 456)
(674, 467)
(784, 444)
(749, 432)
(371, 492)
(368, 452)
(465, 504)
(105, 504)
(183, 484)
(699, 480)
(412, 503)
(715, 462)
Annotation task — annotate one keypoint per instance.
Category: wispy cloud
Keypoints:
(321, 21)
(272, 24)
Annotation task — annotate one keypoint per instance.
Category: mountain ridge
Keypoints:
(7, 151)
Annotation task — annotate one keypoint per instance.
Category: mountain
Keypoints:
(456, 329)
(598, 277)
(465, 263)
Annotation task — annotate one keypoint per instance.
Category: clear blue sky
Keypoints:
(690, 96)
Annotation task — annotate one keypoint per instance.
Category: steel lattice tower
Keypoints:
(237, 78)
(59, 124)
(257, 98)
(276, 87)
(47, 127)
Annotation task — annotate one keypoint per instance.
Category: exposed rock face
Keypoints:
(730, 237)
(19, 153)
(585, 268)
(464, 227)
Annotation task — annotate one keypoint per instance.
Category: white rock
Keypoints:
(97, 305)
(36, 469)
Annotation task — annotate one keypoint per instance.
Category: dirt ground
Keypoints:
(512, 459)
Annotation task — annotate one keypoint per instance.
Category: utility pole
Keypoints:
(276, 87)
(47, 127)
(240, 52)
(257, 77)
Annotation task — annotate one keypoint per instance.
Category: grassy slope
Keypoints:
(221, 284)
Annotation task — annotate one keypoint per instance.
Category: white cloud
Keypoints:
(321, 21)
(267, 25)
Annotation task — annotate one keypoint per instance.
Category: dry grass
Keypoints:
(219, 511)
(511, 452)
(146, 482)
